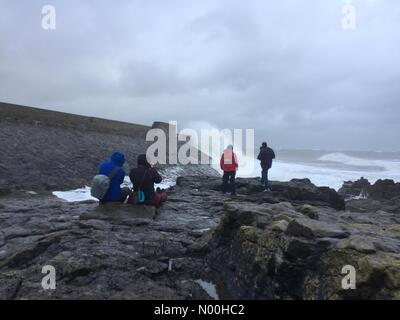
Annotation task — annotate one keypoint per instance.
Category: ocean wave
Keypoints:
(338, 157)
(335, 176)
(345, 159)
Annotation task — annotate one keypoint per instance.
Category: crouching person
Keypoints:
(143, 179)
(106, 185)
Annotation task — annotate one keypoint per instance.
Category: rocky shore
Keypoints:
(296, 248)
(291, 243)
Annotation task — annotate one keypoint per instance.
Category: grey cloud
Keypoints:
(286, 69)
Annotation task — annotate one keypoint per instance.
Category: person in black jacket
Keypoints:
(143, 178)
(265, 156)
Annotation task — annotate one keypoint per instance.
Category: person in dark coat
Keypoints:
(115, 193)
(265, 156)
(143, 178)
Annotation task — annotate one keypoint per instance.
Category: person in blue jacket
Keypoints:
(115, 193)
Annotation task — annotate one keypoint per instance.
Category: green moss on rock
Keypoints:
(279, 226)
(310, 211)
(360, 244)
(248, 233)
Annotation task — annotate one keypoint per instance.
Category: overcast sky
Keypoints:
(286, 68)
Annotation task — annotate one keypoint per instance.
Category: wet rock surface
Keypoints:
(287, 251)
(111, 251)
(381, 190)
(291, 243)
(357, 188)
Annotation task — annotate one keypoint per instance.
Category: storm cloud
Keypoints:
(285, 68)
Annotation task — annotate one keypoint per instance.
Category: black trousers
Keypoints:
(228, 176)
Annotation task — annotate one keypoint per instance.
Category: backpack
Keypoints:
(138, 197)
(101, 184)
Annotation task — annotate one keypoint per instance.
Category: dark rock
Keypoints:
(370, 205)
(289, 256)
(298, 191)
(307, 228)
(360, 244)
(310, 211)
(192, 290)
(304, 190)
(122, 214)
(384, 190)
(380, 190)
(95, 224)
(280, 225)
(10, 284)
(202, 245)
(4, 188)
(290, 243)
(358, 188)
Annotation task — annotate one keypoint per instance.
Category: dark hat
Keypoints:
(142, 161)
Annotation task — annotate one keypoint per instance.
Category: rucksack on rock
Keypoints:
(101, 184)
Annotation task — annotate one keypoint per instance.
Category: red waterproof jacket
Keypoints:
(228, 162)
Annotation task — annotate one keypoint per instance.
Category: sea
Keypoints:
(331, 168)
(323, 167)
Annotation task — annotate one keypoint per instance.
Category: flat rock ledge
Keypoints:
(291, 243)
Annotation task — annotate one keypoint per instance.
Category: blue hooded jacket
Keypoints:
(114, 193)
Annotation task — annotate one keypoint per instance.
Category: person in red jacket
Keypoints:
(229, 165)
